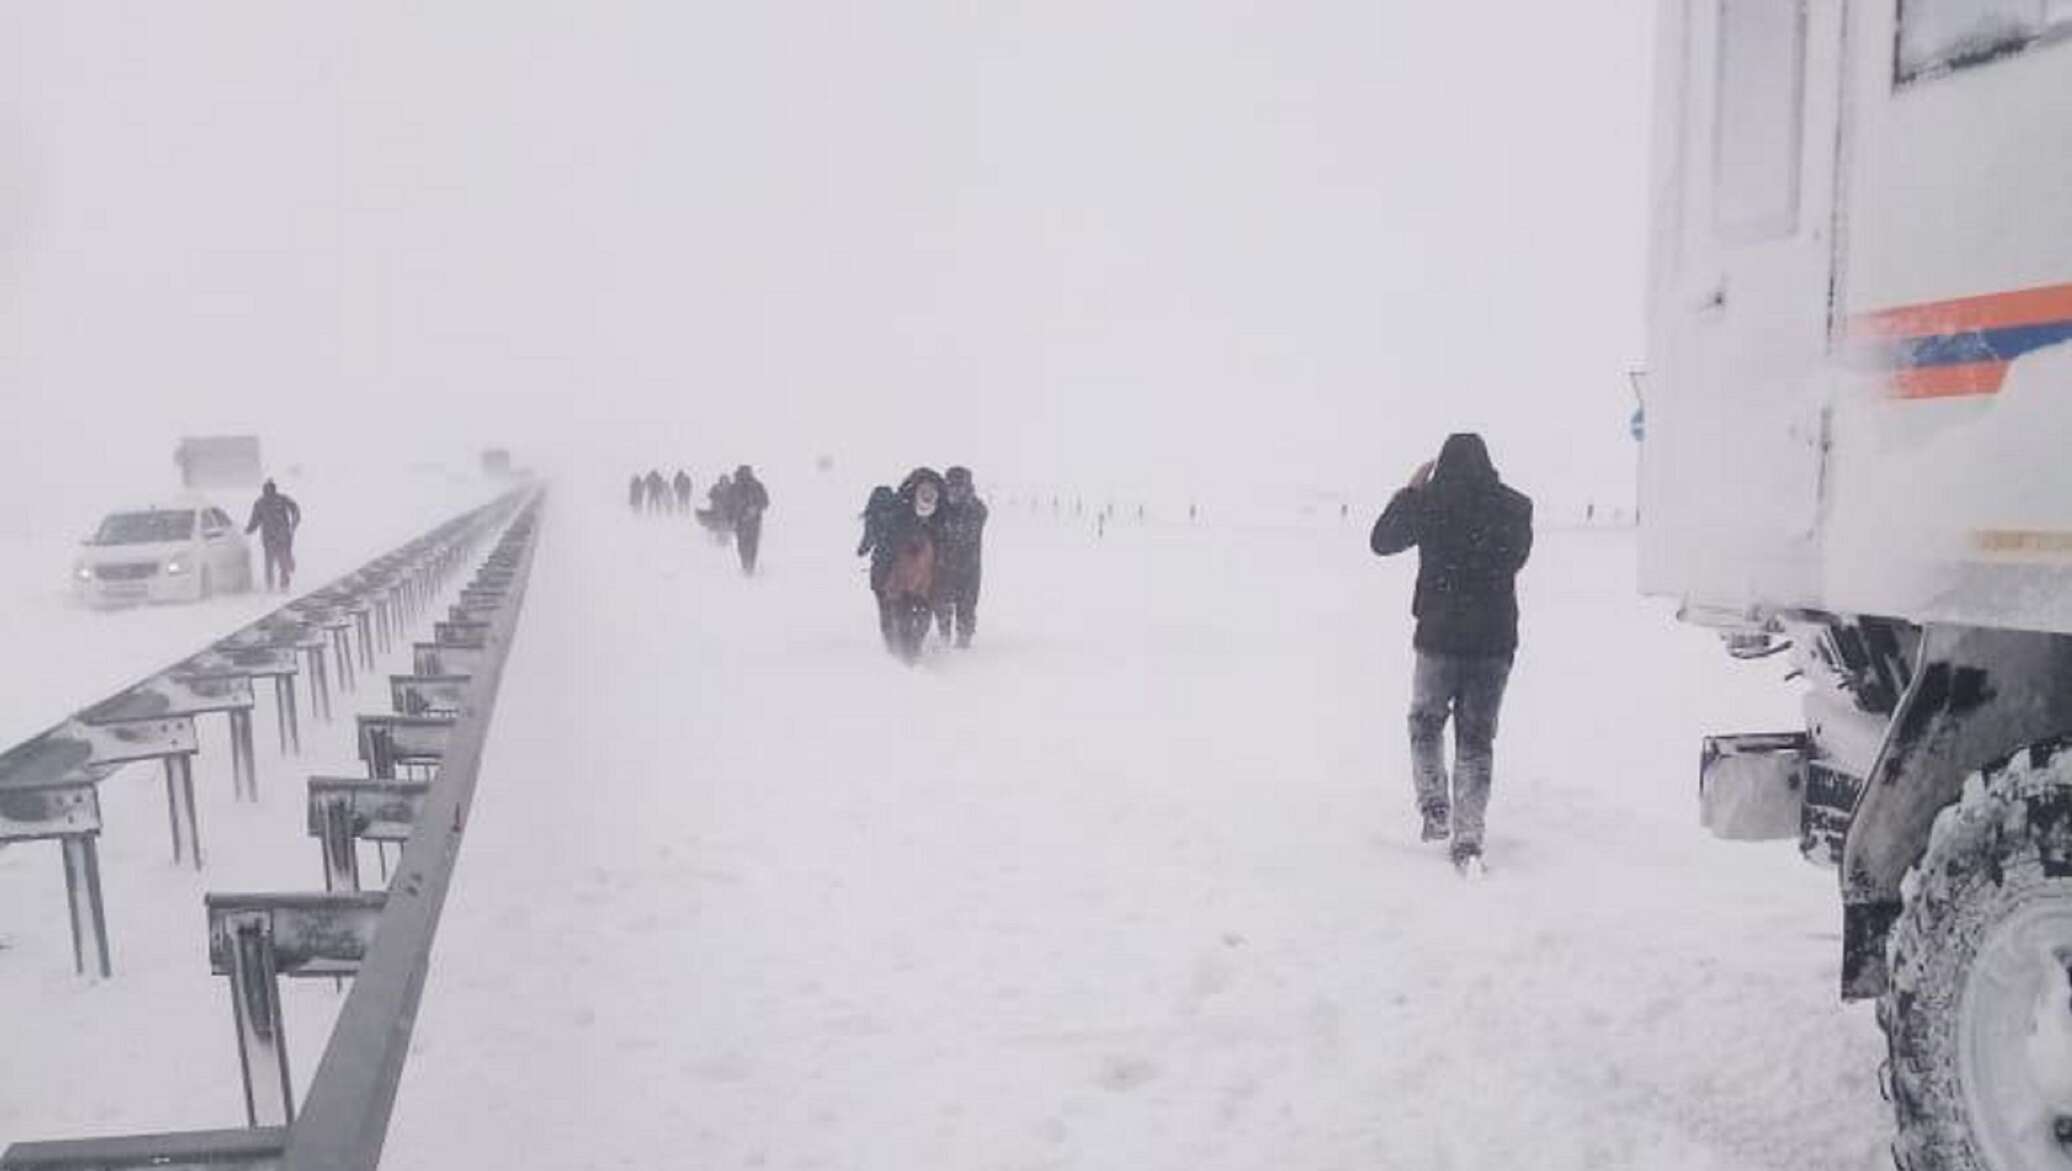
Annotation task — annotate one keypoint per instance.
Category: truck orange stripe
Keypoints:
(2039, 306)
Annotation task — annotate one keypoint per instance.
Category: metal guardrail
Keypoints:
(383, 940)
(49, 783)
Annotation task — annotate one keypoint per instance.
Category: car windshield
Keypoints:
(146, 528)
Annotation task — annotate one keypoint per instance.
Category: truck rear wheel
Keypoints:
(1978, 1012)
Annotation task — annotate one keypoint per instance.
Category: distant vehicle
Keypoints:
(219, 461)
(181, 552)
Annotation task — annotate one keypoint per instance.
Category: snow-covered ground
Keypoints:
(1134, 884)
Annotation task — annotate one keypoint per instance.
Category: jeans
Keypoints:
(1471, 691)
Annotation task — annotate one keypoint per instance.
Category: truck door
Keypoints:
(1740, 317)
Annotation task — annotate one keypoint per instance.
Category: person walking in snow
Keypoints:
(960, 557)
(909, 591)
(275, 517)
(657, 492)
(749, 501)
(719, 506)
(880, 518)
(1472, 534)
(682, 484)
(636, 493)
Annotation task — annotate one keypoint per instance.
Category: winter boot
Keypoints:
(1467, 856)
(1437, 825)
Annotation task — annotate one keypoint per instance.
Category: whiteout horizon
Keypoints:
(1858, 392)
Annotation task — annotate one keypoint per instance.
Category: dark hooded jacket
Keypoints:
(749, 499)
(275, 518)
(963, 534)
(1472, 534)
(913, 539)
(879, 517)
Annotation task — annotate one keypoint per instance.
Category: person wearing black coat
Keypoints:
(1472, 534)
(961, 558)
(747, 502)
(880, 518)
(275, 517)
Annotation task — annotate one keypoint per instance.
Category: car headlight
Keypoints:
(175, 566)
(83, 572)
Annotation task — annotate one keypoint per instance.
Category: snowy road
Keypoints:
(1133, 885)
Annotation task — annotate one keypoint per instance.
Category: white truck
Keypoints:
(210, 462)
(1858, 452)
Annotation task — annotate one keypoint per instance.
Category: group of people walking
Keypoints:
(1473, 533)
(925, 540)
(733, 512)
(655, 496)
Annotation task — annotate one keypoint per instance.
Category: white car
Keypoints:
(180, 552)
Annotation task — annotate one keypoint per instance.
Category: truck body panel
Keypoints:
(1860, 299)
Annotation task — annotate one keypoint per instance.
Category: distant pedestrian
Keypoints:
(717, 515)
(1473, 534)
(657, 493)
(682, 484)
(749, 501)
(275, 517)
(636, 493)
(960, 562)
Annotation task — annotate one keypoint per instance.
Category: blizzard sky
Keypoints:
(1162, 245)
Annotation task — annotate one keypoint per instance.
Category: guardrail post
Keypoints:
(381, 754)
(378, 601)
(319, 680)
(179, 797)
(82, 858)
(340, 843)
(287, 713)
(244, 756)
(255, 1004)
(257, 939)
(363, 620)
(340, 630)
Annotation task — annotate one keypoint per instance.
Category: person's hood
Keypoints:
(1464, 463)
(918, 477)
